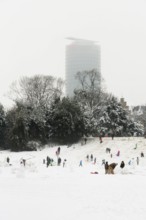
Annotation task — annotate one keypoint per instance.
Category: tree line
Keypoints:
(42, 114)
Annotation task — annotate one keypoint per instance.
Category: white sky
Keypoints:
(32, 34)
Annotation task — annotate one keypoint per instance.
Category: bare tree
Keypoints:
(91, 93)
(89, 80)
(36, 91)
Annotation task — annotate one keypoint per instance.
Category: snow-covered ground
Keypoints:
(72, 192)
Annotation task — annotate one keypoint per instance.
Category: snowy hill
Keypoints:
(36, 192)
(130, 148)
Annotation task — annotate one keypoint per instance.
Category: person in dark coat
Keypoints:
(95, 160)
(59, 161)
(8, 159)
(58, 150)
(87, 157)
(100, 138)
(113, 135)
(91, 157)
(122, 165)
(142, 154)
(24, 162)
(48, 159)
(137, 160)
(118, 153)
(106, 167)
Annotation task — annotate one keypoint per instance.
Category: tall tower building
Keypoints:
(81, 55)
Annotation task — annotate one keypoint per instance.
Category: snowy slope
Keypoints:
(72, 192)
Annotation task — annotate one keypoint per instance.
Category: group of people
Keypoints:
(49, 161)
(109, 168)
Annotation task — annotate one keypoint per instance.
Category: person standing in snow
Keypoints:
(129, 163)
(81, 163)
(64, 162)
(8, 159)
(100, 138)
(48, 161)
(58, 151)
(95, 160)
(122, 165)
(112, 135)
(137, 160)
(142, 154)
(87, 157)
(118, 153)
(106, 167)
(103, 162)
(91, 157)
(24, 162)
(59, 161)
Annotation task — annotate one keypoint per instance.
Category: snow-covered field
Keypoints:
(72, 192)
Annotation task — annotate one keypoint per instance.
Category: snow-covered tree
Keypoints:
(139, 115)
(115, 119)
(91, 98)
(36, 91)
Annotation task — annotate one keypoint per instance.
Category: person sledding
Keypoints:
(95, 172)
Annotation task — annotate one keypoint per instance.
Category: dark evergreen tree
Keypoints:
(65, 121)
(2, 126)
(17, 136)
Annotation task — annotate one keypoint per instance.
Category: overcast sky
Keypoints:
(33, 32)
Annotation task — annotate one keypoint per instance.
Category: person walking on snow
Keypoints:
(137, 160)
(8, 159)
(64, 162)
(122, 165)
(118, 153)
(87, 157)
(100, 138)
(95, 160)
(91, 157)
(106, 167)
(59, 161)
(81, 163)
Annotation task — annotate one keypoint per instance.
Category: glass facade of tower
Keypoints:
(81, 55)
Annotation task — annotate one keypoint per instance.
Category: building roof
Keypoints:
(80, 41)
